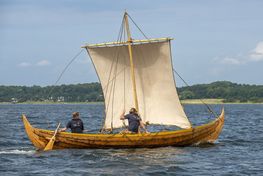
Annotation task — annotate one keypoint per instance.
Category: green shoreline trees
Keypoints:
(91, 92)
(230, 92)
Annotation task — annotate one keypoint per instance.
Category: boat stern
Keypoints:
(220, 120)
(31, 135)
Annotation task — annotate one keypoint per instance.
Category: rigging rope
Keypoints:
(116, 55)
(207, 106)
(64, 70)
(122, 35)
(114, 84)
(137, 26)
(124, 75)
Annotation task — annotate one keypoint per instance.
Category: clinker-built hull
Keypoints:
(186, 137)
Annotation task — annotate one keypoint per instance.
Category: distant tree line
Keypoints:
(230, 92)
(91, 92)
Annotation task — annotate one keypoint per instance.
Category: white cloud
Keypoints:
(255, 55)
(43, 63)
(24, 64)
(38, 64)
(231, 61)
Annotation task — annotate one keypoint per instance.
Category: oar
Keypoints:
(50, 144)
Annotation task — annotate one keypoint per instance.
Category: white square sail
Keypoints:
(158, 100)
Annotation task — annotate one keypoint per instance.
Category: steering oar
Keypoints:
(50, 144)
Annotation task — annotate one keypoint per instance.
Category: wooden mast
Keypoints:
(131, 61)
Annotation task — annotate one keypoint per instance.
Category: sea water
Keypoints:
(238, 151)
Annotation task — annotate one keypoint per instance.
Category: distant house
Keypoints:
(60, 99)
(14, 100)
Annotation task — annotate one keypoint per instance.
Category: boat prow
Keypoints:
(186, 137)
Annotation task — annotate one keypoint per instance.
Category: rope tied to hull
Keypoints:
(207, 106)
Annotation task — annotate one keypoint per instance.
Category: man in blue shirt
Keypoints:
(134, 120)
(75, 124)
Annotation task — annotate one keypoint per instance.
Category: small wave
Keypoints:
(19, 152)
(208, 143)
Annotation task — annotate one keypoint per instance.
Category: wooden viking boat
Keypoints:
(134, 73)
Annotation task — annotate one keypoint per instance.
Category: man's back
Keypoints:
(134, 122)
(76, 125)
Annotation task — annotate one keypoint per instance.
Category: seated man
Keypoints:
(75, 124)
(134, 120)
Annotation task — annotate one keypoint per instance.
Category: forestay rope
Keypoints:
(64, 70)
(62, 73)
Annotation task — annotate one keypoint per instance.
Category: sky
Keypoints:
(214, 40)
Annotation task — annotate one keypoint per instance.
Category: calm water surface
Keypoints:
(239, 150)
